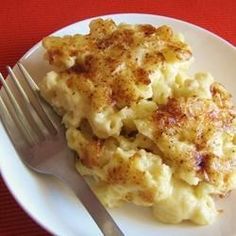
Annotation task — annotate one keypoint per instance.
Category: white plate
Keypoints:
(54, 206)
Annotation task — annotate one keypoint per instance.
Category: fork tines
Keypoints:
(33, 121)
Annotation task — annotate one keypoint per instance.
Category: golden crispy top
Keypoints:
(196, 121)
(110, 63)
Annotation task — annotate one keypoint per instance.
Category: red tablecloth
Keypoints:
(23, 23)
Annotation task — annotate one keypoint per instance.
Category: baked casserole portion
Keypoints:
(145, 130)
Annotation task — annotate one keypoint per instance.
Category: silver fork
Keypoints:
(42, 146)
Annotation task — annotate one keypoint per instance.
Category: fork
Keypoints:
(42, 146)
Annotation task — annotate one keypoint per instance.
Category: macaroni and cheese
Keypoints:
(145, 130)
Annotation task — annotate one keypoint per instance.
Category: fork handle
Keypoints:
(97, 211)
